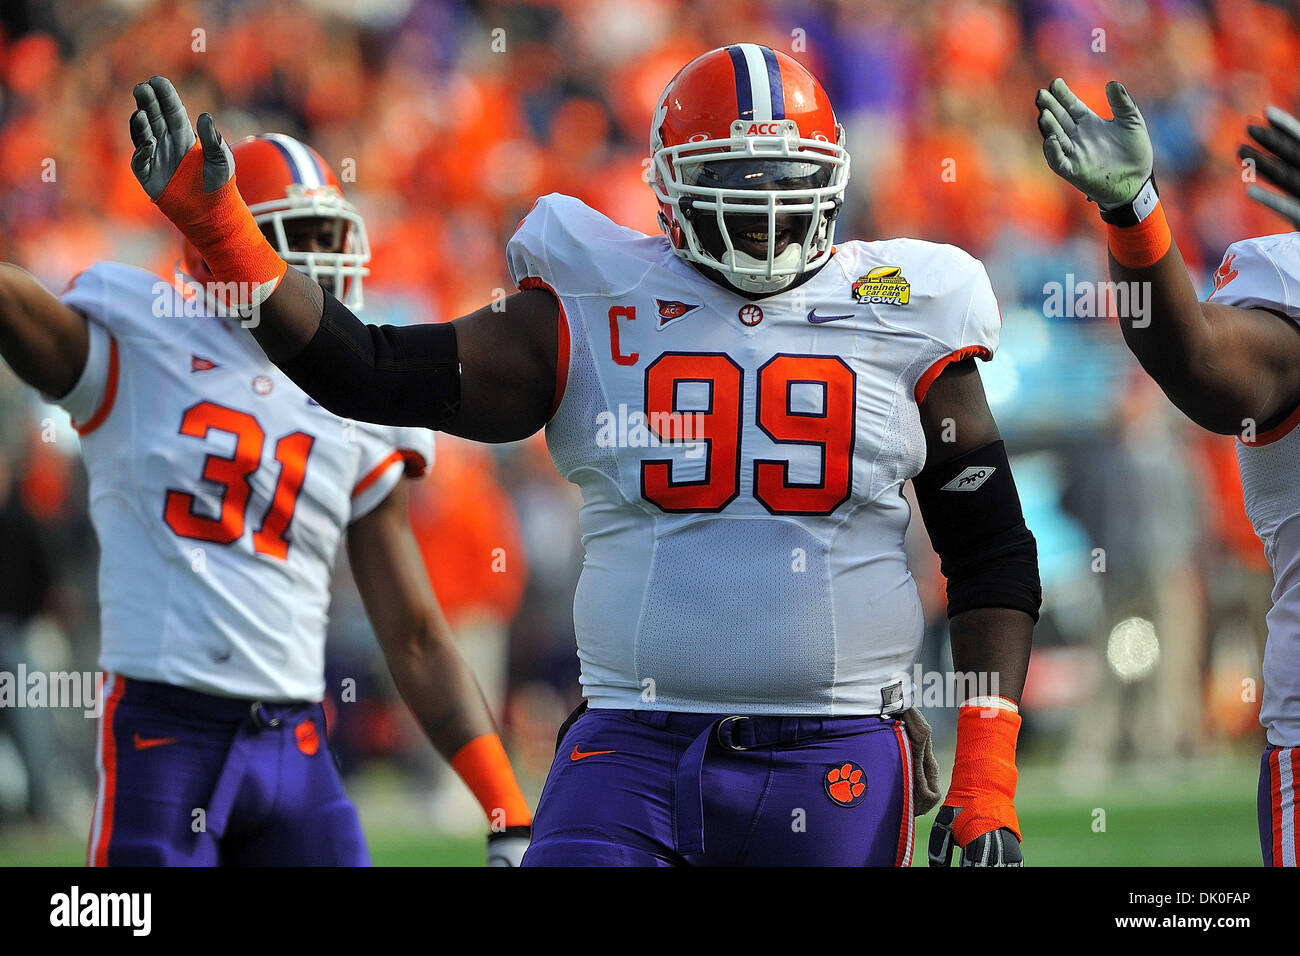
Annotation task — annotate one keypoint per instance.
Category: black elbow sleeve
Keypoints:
(380, 373)
(972, 513)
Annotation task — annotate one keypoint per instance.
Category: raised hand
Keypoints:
(1277, 163)
(1109, 161)
(195, 189)
(163, 138)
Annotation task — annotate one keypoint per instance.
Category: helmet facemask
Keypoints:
(341, 272)
(760, 209)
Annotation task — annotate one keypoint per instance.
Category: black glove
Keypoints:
(995, 848)
(1278, 163)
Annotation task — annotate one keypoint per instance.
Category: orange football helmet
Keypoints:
(747, 134)
(282, 178)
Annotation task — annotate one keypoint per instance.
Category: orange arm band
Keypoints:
(1143, 245)
(984, 772)
(220, 226)
(482, 764)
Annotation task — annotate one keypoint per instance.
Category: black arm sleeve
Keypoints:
(972, 513)
(380, 373)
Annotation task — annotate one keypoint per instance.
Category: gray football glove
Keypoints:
(1109, 161)
(162, 136)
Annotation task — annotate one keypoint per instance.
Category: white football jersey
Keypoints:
(1264, 273)
(218, 491)
(741, 463)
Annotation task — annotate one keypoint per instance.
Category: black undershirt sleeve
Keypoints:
(973, 516)
(380, 373)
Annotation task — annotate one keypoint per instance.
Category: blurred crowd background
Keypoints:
(449, 118)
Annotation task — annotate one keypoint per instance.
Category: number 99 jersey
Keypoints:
(741, 463)
(219, 492)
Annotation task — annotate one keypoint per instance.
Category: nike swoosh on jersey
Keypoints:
(578, 755)
(144, 743)
(816, 319)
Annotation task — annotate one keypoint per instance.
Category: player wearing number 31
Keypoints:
(746, 621)
(219, 493)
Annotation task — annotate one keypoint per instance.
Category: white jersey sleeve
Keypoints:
(88, 395)
(1261, 273)
(552, 247)
(963, 321)
(98, 294)
(389, 454)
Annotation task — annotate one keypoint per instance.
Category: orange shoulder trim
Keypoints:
(1276, 433)
(562, 351)
(110, 393)
(926, 380)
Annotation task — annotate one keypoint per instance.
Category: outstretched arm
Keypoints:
(488, 376)
(1222, 366)
(44, 341)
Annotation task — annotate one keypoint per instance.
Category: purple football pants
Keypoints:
(649, 788)
(188, 779)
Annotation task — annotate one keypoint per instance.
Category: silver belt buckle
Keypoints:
(260, 718)
(722, 723)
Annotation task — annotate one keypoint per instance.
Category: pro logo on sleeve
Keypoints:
(846, 784)
(970, 479)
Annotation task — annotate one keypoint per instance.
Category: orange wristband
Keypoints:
(1143, 245)
(225, 233)
(984, 772)
(483, 765)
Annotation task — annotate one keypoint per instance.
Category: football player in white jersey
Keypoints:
(219, 492)
(740, 401)
(1231, 364)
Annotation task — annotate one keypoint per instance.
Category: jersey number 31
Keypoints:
(232, 475)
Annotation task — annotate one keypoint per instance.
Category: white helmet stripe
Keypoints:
(305, 166)
(760, 89)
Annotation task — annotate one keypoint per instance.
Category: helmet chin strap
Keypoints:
(788, 259)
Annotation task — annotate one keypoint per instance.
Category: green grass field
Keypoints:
(1199, 814)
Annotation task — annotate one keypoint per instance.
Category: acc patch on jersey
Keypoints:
(670, 310)
(883, 285)
(846, 784)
